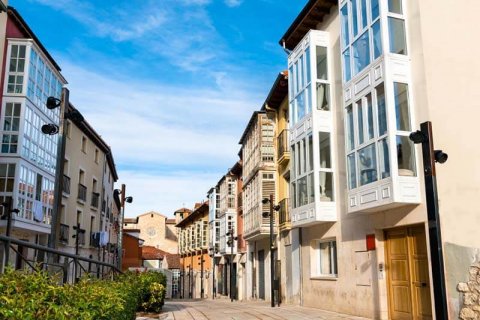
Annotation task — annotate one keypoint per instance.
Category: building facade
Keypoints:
(363, 74)
(195, 261)
(28, 157)
(259, 182)
(156, 229)
(89, 175)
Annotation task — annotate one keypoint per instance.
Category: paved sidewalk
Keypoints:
(223, 309)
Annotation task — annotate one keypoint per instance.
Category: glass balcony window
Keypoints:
(397, 37)
(406, 157)
(367, 165)
(361, 53)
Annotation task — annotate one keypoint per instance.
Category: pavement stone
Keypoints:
(224, 309)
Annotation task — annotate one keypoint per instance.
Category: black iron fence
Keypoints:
(33, 258)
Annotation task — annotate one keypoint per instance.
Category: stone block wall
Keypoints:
(471, 294)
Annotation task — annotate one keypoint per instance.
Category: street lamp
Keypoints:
(123, 199)
(51, 129)
(201, 275)
(230, 242)
(8, 216)
(272, 244)
(214, 287)
(430, 156)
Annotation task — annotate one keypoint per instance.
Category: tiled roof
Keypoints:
(173, 261)
(152, 253)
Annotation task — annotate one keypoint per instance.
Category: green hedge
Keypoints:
(25, 296)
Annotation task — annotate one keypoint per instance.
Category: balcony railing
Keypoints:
(66, 184)
(95, 198)
(82, 192)
(282, 143)
(64, 232)
(283, 213)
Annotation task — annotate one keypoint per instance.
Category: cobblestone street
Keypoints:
(223, 309)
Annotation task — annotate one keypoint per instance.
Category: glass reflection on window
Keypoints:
(326, 186)
(402, 113)
(361, 53)
(406, 157)
(367, 164)
(323, 93)
(398, 42)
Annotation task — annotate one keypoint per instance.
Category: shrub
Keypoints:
(29, 296)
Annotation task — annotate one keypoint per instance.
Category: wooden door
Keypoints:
(407, 274)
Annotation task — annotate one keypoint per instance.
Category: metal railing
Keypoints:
(282, 143)
(283, 213)
(71, 267)
(66, 184)
(95, 198)
(82, 192)
(64, 233)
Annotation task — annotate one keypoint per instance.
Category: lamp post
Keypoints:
(123, 200)
(430, 156)
(231, 242)
(52, 129)
(272, 246)
(201, 276)
(8, 215)
(214, 286)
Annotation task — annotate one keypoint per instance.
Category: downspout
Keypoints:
(301, 265)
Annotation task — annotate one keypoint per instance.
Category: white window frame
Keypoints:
(316, 256)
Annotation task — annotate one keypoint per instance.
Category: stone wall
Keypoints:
(471, 294)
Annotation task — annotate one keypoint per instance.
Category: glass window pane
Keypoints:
(323, 94)
(293, 113)
(381, 108)
(302, 191)
(383, 159)
(354, 18)
(352, 173)
(300, 73)
(405, 157)
(322, 63)
(307, 64)
(308, 99)
(304, 156)
(347, 72)
(325, 153)
(295, 79)
(294, 192)
(290, 82)
(377, 40)
(367, 164)
(311, 189)
(361, 53)
(361, 138)
(370, 131)
(310, 153)
(345, 30)
(298, 158)
(364, 13)
(300, 104)
(326, 186)
(395, 6)
(350, 129)
(375, 9)
(402, 113)
(398, 42)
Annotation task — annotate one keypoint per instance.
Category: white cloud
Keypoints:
(233, 3)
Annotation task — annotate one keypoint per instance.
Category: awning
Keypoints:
(222, 260)
(237, 258)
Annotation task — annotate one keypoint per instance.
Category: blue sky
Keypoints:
(169, 84)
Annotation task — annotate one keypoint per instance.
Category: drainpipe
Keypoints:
(301, 265)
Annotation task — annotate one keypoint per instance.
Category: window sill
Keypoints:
(328, 278)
